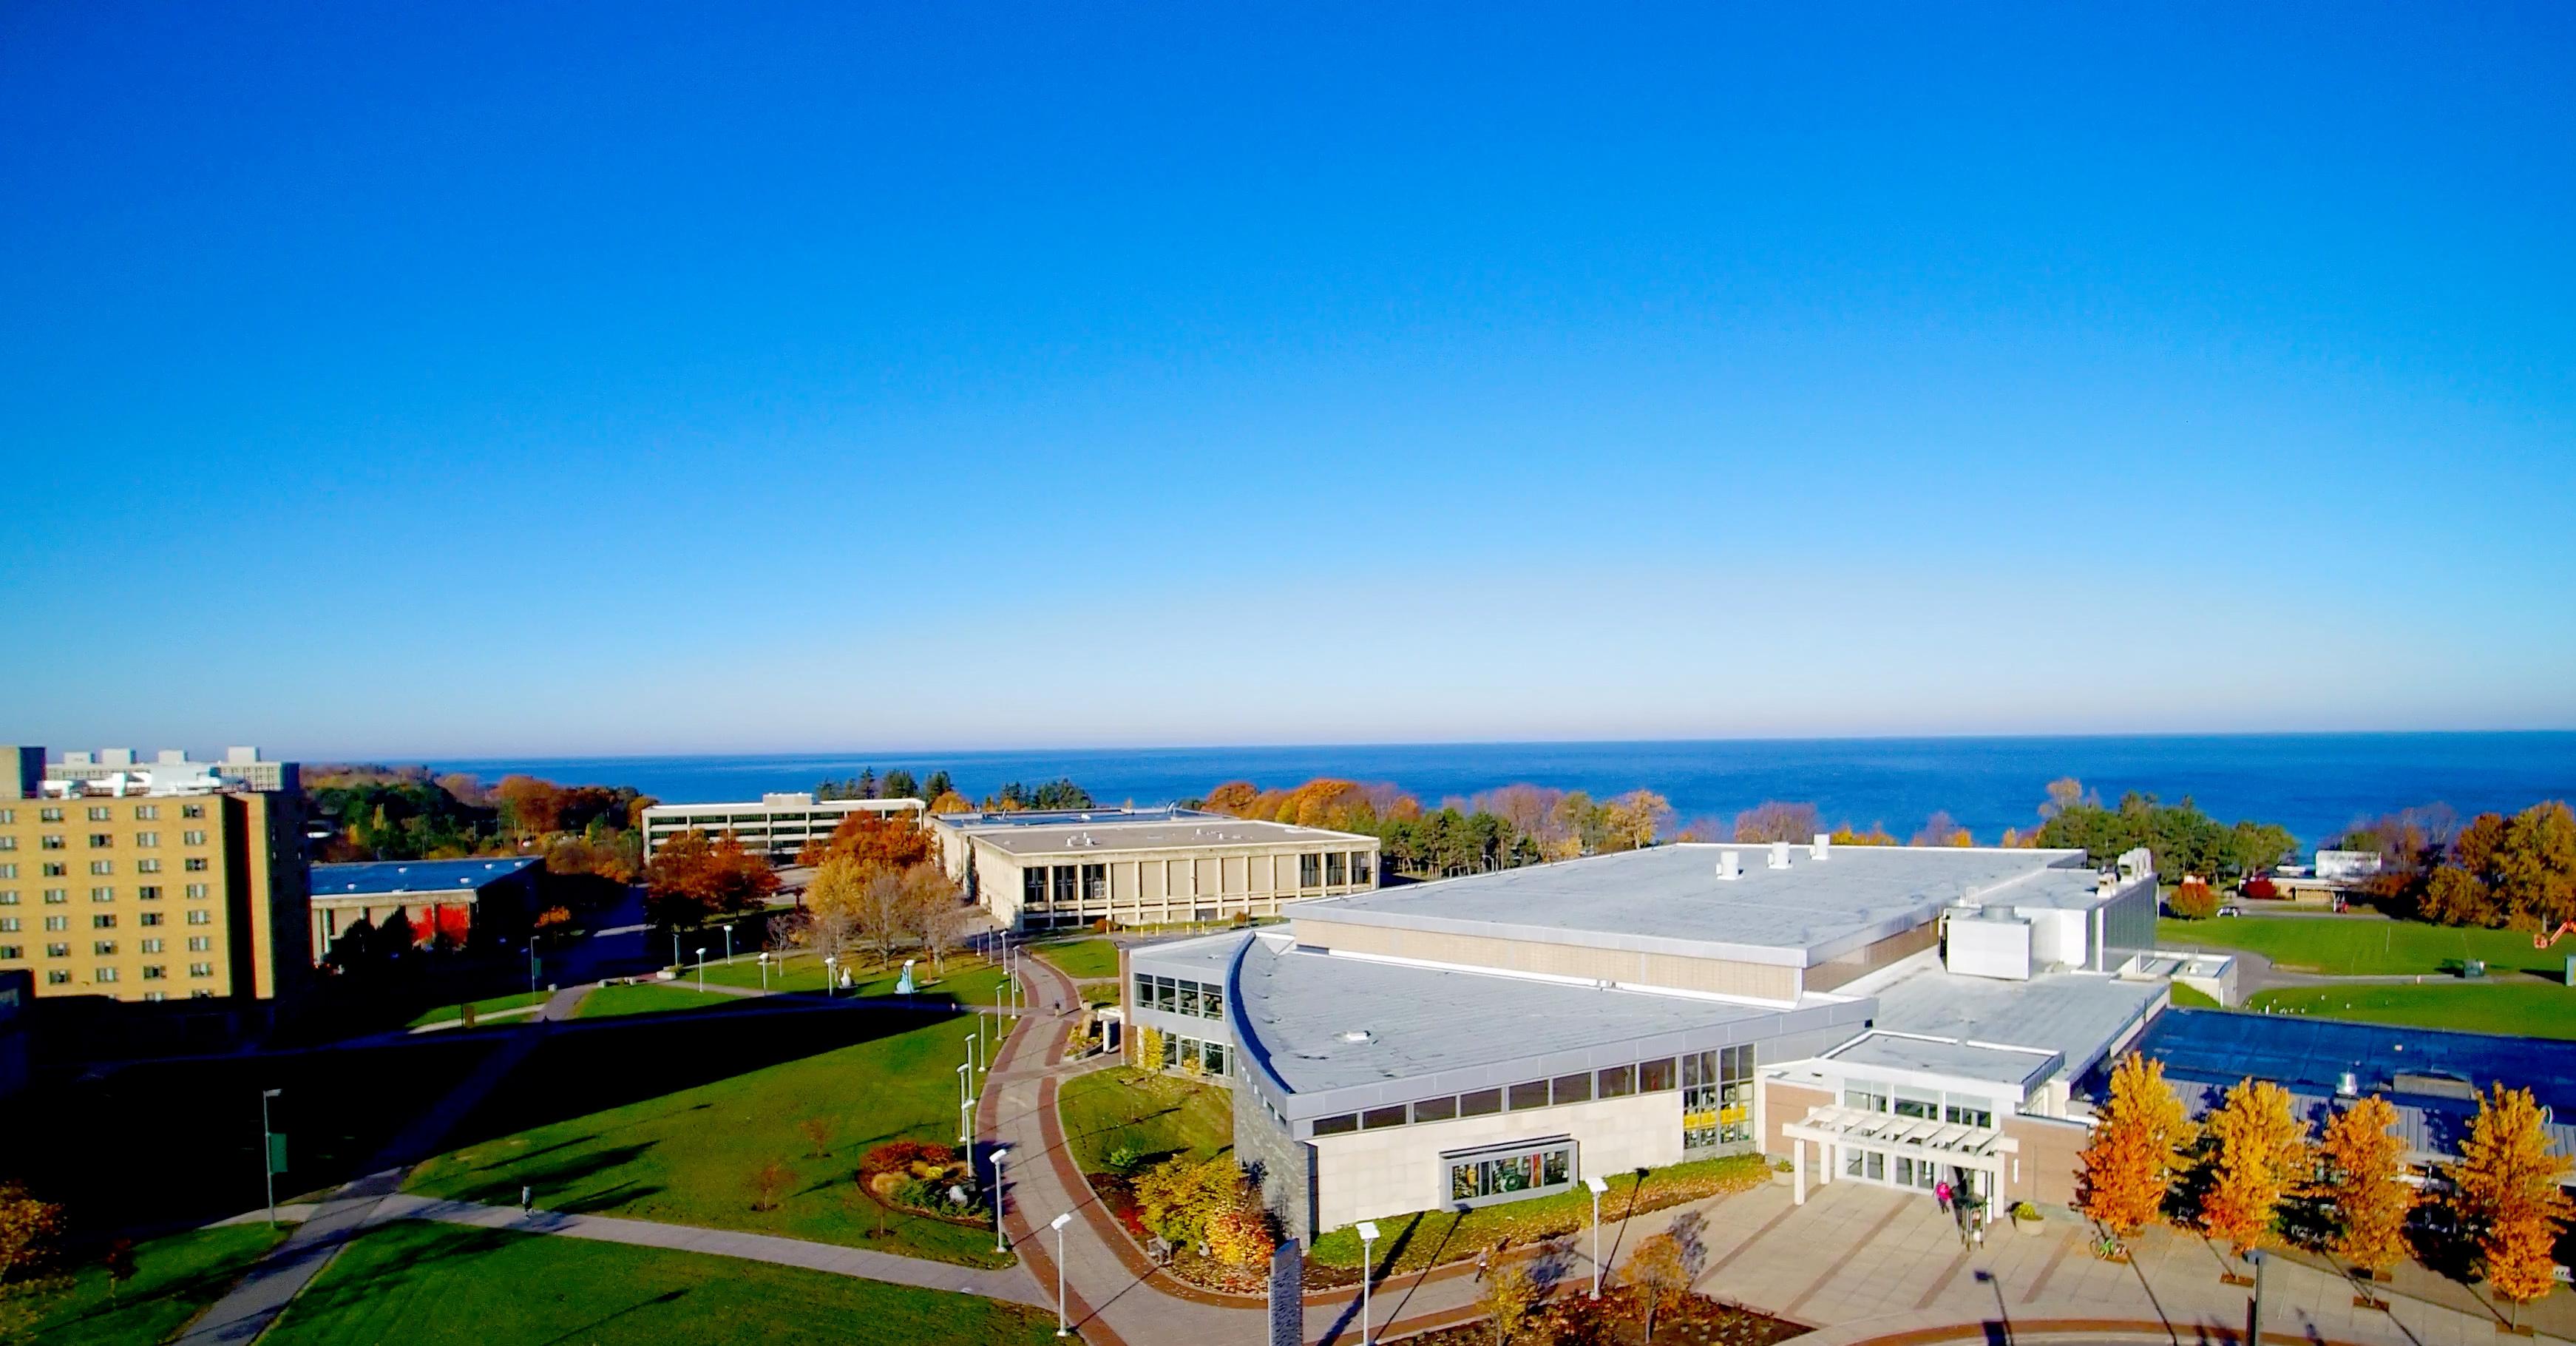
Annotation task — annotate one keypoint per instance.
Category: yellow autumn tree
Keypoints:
(2361, 1164)
(1149, 1047)
(2507, 1194)
(2261, 1159)
(2128, 1166)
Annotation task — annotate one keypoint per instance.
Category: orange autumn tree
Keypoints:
(2362, 1163)
(2261, 1160)
(2508, 1194)
(2136, 1149)
(876, 840)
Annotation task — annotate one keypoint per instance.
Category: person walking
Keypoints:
(1941, 1192)
(527, 1199)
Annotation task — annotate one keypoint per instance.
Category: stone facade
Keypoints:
(1286, 1165)
(1373, 1174)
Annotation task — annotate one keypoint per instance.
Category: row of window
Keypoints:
(99, 813)
(1717, 1097)
(1072, 885)
(103, 841)
(1645, 1077)
(1962, 1109)
(1180, 995)
(194, 864)
(106, 920)
(1332, 869)
(1525, 1173)
(1210, 1056)
(106, 948)
(148, 892)
(151, 972)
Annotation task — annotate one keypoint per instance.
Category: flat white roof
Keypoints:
(1112, 836)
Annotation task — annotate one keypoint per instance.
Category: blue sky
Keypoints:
(431, 380)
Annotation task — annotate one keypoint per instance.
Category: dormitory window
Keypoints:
(102, 866)
(105, 974)
(147, 866)
(55, 869)
(99, 841)
(147, 838)
(98, 813)
(151, 918)
(144, 813)
(196, 890)
(193, 838)
(102, 894)
(199, 944)
(1310, 871)
(8, 924)
(58, 923)
(201, 969)
(1336, 871)
(201, 917)
(192, 810)
(196, 864)
(155, 972)
(58, 950)
(12, 951)
(105, 920)
(150, 892)
(104, 948)
(153, 945)
(58, 977)
(49, 815)
(51, 841)
(55, 896)
(8, 843)
(8, 897)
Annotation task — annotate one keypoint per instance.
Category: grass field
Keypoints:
(438, 1014)
(673, 1124)
(2365, 946)
(1081, 959)
(174, 1277)
(442, 1285)
(613, 1002)
(1158, 1115)
(969, 981)
(1429, 1238)
(2526, 1008)
(2184, 997)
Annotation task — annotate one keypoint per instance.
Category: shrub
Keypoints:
(2195, 900)
(1124, 1158)
(2261, 886)
(905, 1155)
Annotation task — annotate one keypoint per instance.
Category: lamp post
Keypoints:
(675, 948)
(764, 972)
(1062, 1327)
(1368, 1272)
(532, 965)
(702, 969)
(1597, 1187)
(728, 944)
(974, 1058)
(829, 962)
(965, 1110)
(2254, 1313)
(268, 1153)
(1001, 1244)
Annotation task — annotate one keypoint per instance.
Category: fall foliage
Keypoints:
(2360, 1159)
(1211, 1202)
(2260, 1158)
(693, 880)
(1659, 1271)
(2193, 899)
(2129, 1163)
(1506, 1296)
(874, 840)
(2507, 1193)
(29, 1229)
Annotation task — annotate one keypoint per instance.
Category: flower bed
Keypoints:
(1619, 1319)
(925, 1179)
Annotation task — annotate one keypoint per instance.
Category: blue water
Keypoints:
(2314, 784)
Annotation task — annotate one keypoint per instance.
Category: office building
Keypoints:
(152, 885)
(1055, 869)
(1893, 1015)
(453, 898)
(172, 768)
(778, 826)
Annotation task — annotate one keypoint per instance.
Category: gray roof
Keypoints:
(1205, 954)
(1958, 1060)
(1668, 899)
(388, 878)
(1422, 1021)
(1112, 835)
(2078, 1015)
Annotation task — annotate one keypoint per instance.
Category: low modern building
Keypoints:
(778, 826)
(1893, 1015)
(174, 886)
(1131, 867)
(451, 897)
(237, 769)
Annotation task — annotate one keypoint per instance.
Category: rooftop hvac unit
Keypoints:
(1730, 865)
(1779, 855)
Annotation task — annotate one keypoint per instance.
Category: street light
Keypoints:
(764, 972)
(829, 962)
(965, 1110)
(1598, 1187)
(675, 948)
(728, 944)
(973, 1057)
(1000, 1243)
(1062, 1328)
(1368, 1272)
(702, 969)
(268, 1153)
(2254, 1313)
(532, 965)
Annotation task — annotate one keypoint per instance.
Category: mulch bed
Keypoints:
(1573, 1318)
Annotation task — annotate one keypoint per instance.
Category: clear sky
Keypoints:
(419, 379)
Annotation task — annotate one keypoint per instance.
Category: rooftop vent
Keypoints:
(1822, 847)
(1779, 855)
(1730, 865)
(1358, 1035)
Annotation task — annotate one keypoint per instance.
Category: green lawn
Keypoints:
(174, 1277)
(1081, 959)
(444, 1285)
(1429, 1238)
(2184, 997)
(673, 1124)
(1157, 1115)
(2347, 946)
(969, 981)
(612, 1002)
(443, 1013)
(2526, 1008)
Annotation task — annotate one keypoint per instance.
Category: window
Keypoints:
(9, 924)
(98, 813)
(8, 870)
(1360, 866)
(1335, 871)
(51, 841)
(201, 969)
(192, 810)
(102, 894)
(56, 896)
(58, 923)
(1212, 1001)
(99, 841)
(1144, 990)
(156, 997)
(1190, 998)
(1310, 871)
(196, 864)
(1717, 1097)
(1571, 1089)
(102, 866)
(8, 843)
(105, 920)
(12, 951)
(148, 918)
(147, 866)
(103, 975)
(1064, 876)
(8, 815)
(1911, 1104)
(8, 897)
(1167, 995)
(58, 950)
(104, 948)
(193, 838)
(1482, 1176)
(155, 972)
(196, 890)
(201, 916)
(1532, 1094)
(58, 977)
(150, 892)
(1378, 1119)
(199, 944)
(1212, 1056)
(1654, 1077)
(153, 945)
(1482, 1103)
(1337, 1126)
(147, 838)
(1095, 883)
(1968, 1112)
(1436, 1109)
(1864, 1096)
(1617, 1081)
(49, 815)
(55, 869)
(144, 813)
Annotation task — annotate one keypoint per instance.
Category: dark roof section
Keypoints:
(385, 878)
(2310, 1056)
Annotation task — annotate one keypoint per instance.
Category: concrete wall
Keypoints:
(1286, 1165)
(1167, 886)
(1833, 972)
(1372, 1174)
(1761, 981)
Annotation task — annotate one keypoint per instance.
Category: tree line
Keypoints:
(939, 792)
(2492, 870)
(2251, 1175)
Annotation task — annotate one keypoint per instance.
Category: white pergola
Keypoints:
(1952, 1144)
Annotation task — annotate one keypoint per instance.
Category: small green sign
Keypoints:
(277, 1154)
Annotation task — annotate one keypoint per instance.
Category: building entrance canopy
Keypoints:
(1835, 1130)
